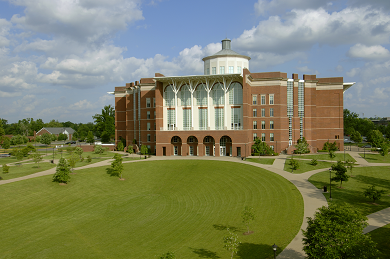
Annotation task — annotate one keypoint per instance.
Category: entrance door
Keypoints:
(222, 151)
(207, 150)
(175, 150)
(191, 150)
(164, 151)
(239, 151)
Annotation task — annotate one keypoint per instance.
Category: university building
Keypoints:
(222, 112)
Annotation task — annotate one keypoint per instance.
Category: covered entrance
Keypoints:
(176, 145)
(209, 145)
(192, 143)
(225, 146)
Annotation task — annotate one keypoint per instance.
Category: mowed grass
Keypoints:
(25, 169)
(182, 206)
(339, 156)
(381, 236)
(376, 158)
(352, 191)
(264, 161)
(305, 166)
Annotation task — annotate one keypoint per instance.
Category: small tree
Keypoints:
(144, 150)
(6, 143)
(168, 255)
(294, 164)
(18, 153)
(331, 154)
(117, 166)
(373, 193)
(72, 160)
(120, 146)
(350, 165)
(79, 151)
(337, 232)
(340, 173)
(314, 162)
(302, 147)
(36, 157)
(98, 149)
(89, 159)
(53, 137)
(5, 169)
(46, 139)
(247, 216)
(90, 137)
(62, 172)
(130, 149)
(231, 243)
(62, 137)
(384, 148)
(356, 137)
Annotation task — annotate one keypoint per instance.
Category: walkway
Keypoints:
(312, 196)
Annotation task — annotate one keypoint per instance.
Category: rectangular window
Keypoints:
(236, 118)
(147, 102)
(254, 112)
(231, 70)
(214, 70)
(171, 119)
(219, 119)
(271, 99)
(254, 99)
(155, 138)
(221, 70)
(271, 124)
(148, 115)
(271, 137)
(154, 126)
(271, 112)
(239, 70)
(263, 137)
(154, 114)
(148, 126)
(208, 71)
(154, 102)
(262, 99)
(187, 119)
(254, 124)
(272, 147)
(148, 137)
(262, 112)
(262, 124)
(203, 119)
(254, 136)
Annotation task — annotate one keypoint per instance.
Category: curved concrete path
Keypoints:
(312, 196)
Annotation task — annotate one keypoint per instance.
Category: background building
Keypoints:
(221, 112)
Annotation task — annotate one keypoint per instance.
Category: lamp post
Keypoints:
(274, 247)
(330, 183)
(292, 159)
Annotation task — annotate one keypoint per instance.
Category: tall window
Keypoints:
(290, 108)
(222, 70)
(239, 70)
(254, 136)
(254, 112)
(271, 112)
(262, 99)
(148, 138)
(171, 119)
(201, 95)
(208, 71)
(271, 137)
(148, 115)
(262, 124)
(185, 96)
(236, 118)
(271, 124)
(262, 112)
(187, 119)
(231, 70)
(154, 113)
(148, 126)
(254, 124)
(218, 94)
(254, 99)
(169, 96)
(235, 93)
(154, 102)
(147, 102)
(203, 119)
(214, 70)
(262, 136)
(219, 122)
(271, 99)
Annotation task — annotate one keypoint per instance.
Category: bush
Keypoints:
(330, 146)
(89, 159)
(5, 169)
(82, 159)
(98, 149)
(294, 164)
(314, 162)
(120, 146)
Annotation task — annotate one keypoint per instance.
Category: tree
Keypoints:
(18, 153)
(340, 173)
(314, 162)
(6, 143)
(36, 157)
(53, 137)
(384, 148)
(120, 146)
(375, 137)
(261, 147)
(79, 151)
(231, 242)
(248, 216)
(5, 169)
(46, 139)
(105, 122)
(62, 172)
(337, 232)
(294, 164)
(302, 147)
(350, 165)
(130, 149)
(2, 131)
(62, 137)
(373, 193)
(144, 150)
(356, 137)
(117, 166)
(331, 154)
(168, 255)
(90, 137)
(72, 160)
(105, 137)
(98, 149)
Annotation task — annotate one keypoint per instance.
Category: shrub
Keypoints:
(373, 193)
(82, 159)
(62, 172)
(5, 169)
(120, 146)
(314, 162)
(98, 149)
(294, 164)
(89, 159)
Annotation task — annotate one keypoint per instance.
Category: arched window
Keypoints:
(235, 93)
(169, 96)
(185, 96)
(201, 95)
(218, 94)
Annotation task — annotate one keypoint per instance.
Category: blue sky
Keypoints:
(59, 58)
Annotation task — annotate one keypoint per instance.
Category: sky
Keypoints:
(59, 58)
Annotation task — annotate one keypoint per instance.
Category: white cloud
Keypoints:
(4, 31)
(339, 68)
(353, 72)
(368, 52)
(82, 105)
(280, 6)
(381, 93)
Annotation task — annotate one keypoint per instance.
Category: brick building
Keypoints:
(221, 112)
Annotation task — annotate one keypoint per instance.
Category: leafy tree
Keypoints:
(248, 216)
(105, 137)
(6, 143)
(89, 159)
(144, 150)
(46, 139)
(90, 137)
(17, 140)
(302, 147)
(62, 172)
(384, 148)
(261, 147)
(98, 149)
(53, 137)
(120, 146)
(18, 153)
(117, 166)
(130, 149)
(356, 137)
(168, 255)
(331, 154)
(341, 171)
(314, 162)
(2, 131)
(75, 136)
(330, 146)
(231, 243)
(5, 169)
(72, 160)
(38, 139)
(294, 164)
(337, 232)
(36, 157)
(105, 121)
(373, 193)
(54, 124)
(79, 151)
(62, 137)
(375, 137)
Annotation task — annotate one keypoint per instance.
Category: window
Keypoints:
(148, 126)
(187, 119)
(271, 99)
(271, 124)
(271, 112)
(262, 136)
(148, 115)
(254, 112)
(219, 122)
(155, 138)
(272, 147)
(203, 119)
(154, 126)
(208, 71)
(148, 138)
(147, 102)
(201, 95)
(218, 94)
(262, 112)
(191, 139)
(222, 70)
(254, 99)
(214, 70)
(239, 70)
(235, 93)
(254, 124)
(231, 70)
(171, 120)
(254, 136)
(262, 124)
(263, 100)
(175, 139)
(271, 137)
(169, 96)
(185, 96)
(207, 139)
(154, 113)
(236, 118)
(154, 102)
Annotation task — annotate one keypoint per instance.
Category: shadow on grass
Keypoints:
(225, 227)
(290, 254)
(384, 183)
(111, 172)
(204, 253)
(252, 251)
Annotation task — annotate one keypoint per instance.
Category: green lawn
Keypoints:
(264, 161)
(339, 156)
(182, 206)
(352, 192)
(376, 158)
(57, 155)
(381, 237)
(25, 169)
(305, 166)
